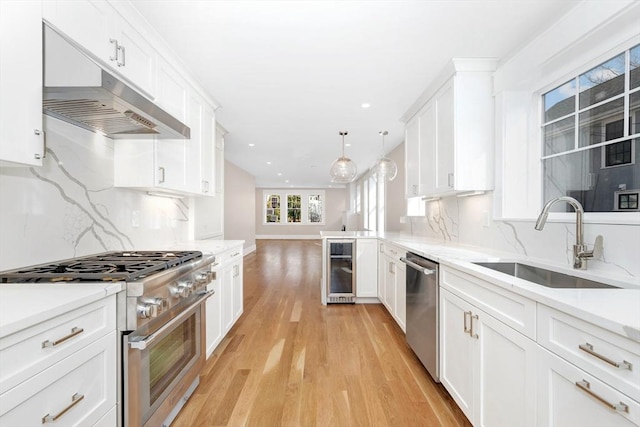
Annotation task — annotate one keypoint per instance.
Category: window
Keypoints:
(590, 132)
(302, 207)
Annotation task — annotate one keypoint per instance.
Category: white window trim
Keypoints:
(304, 194)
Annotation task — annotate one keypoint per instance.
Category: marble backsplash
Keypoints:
(467, 220)
(69, 206)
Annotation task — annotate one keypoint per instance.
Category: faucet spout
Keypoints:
(580, 252)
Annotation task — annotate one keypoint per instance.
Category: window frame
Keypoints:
(284, 210)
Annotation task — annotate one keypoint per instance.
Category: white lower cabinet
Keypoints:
(392, 289)
(487, 367)
(77, 391)
(226, 306)
(366, 268)
(568, 396)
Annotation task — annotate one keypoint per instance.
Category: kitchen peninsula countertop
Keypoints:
(23, 305)
(617, 310)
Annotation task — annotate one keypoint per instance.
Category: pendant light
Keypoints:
(343, 170)
(384, 169)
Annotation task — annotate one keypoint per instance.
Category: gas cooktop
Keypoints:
(108, 266)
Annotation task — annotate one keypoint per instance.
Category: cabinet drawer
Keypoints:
(32, 350)
(592, 348)
(510, 308)
(568, 396)
(88, 376)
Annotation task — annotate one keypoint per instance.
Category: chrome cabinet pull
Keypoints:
(38, 156)
(74, 331)
(471, 333)
(586, 387)
(467, 330)
(121, 62)
(588, 348)
(450, 179)
(75, 399)
(161, 173)
(114, 42)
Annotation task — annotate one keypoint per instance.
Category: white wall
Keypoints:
(69, 207)
(396, 203)
(336, 203)
(239, 206)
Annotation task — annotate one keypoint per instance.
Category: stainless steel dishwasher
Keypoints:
(422, 311)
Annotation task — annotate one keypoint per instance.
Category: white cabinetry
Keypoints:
(392, 286)
(488, 367)
(200, 148)
(63, 367)
(21, 131)
(591, 380)
(366, 268)
(214, 332)
(449, 132)
(102, 32)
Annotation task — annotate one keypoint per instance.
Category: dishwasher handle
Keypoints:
(425, 271)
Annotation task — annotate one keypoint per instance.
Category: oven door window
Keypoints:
(168, 358)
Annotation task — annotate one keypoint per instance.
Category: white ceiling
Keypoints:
(291, 74)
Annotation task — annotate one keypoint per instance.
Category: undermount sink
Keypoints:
(544, 277)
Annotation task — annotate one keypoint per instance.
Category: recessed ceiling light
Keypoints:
(252, 145)
(268, 163)
(286, 181)
(347, 145)
(365, 105)
(279, 173)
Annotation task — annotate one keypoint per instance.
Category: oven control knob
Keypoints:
(147, 310)
(183, 289)
(203, 278)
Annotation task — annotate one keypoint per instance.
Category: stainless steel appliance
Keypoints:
(161, 318)
(81, 92)
(422, 311)
(341, 277)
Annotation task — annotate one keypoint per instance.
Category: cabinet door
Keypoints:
(506, 373)
(445, 139)
(87, 22)
(366, 268)
(390, 284)
(219, 159)
(194, 145)
(172, 91)
(412, 158)
(456, 350)
(21, 131)
(238, 292)
(136, 58)
(427, 169)
(568, 396)
(382, 274)
(171, 158)
(214, 316)
(400, 312)
(226, 290)
(208, 161)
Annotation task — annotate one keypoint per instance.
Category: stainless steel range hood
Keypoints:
(77, 90)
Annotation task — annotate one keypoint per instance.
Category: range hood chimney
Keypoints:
(78, 91)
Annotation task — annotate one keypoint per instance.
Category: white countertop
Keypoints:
(25, 305)
(617, 310)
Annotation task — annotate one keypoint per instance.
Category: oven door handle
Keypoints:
(143, 344)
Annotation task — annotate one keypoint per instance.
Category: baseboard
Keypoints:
(249, 249)
(288, 237)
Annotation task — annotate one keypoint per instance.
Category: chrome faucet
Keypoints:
(580, 252)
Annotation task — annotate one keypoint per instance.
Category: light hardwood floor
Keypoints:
(289, 361)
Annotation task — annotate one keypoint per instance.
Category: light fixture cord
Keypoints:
(383, 133)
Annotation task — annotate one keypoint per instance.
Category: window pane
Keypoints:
(559, 136)
(294, 212)
(315, 208)
(634, 113)
(634, 66)
(602, 123)
(560, 101)
(581, 175)
(602, 82)
(273, 208)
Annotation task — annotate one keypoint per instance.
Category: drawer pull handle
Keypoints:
(471, 333)
(467, 329)
(586, 387)
(75, 399)
(586, 347)
(74, 331)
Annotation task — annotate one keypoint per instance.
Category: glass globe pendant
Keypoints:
(343, 170)
(384, 169)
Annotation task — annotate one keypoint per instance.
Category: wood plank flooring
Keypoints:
(289, 361)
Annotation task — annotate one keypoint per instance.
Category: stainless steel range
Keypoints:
(160, 317)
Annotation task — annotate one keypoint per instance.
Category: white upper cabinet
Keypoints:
(201, 146)
(107, 37)
(449, 132)
(21, 131)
